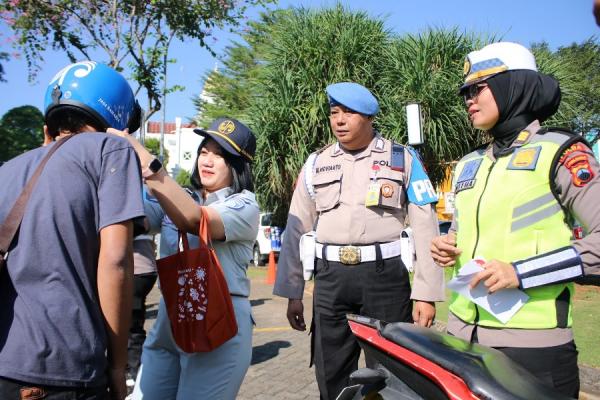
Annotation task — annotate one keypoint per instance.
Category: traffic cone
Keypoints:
(271, 269)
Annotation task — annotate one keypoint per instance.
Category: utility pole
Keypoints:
(178, 131)
(161, 155)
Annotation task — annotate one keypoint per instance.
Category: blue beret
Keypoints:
(353, 96)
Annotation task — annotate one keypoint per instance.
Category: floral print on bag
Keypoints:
(191, 299)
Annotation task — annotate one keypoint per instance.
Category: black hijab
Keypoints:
(522, 96)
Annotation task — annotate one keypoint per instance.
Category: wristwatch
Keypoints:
(153, 167)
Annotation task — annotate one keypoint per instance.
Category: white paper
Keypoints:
(502, 304)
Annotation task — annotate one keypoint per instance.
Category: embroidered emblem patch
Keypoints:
(387, 190)
(581, 173)
(525, 159)
(226, 127)
(466, 179)
(466, 67)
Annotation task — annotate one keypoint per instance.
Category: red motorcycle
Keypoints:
(408, 362)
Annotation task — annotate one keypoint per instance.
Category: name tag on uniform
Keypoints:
(373, 195)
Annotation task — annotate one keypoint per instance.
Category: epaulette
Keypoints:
(322, 149)
(546, 129)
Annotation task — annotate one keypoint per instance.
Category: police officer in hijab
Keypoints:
(517, 200)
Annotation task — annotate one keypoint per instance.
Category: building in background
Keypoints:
(181, 144)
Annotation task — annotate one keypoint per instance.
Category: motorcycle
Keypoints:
(409, 362)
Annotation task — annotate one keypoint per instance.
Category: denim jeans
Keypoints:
(16, 390)
(169, 373)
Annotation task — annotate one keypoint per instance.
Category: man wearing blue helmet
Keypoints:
(65, 290)
(356, 194)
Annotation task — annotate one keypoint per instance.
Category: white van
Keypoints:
(262, 246)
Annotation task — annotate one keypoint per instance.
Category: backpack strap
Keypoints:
(309, 172)
(11, 223)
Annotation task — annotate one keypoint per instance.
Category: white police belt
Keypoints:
(352, 255)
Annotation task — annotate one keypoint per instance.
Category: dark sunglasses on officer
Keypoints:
(473, 91)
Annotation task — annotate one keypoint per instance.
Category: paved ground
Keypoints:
(280, 356)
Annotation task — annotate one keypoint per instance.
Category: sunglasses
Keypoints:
(473, 91)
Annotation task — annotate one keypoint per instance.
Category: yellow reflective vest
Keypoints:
(505, 210)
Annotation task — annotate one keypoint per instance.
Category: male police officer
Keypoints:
(356, 194)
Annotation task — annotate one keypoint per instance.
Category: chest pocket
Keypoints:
(327, 190)
(391, 183)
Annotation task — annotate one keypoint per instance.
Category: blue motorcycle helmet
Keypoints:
(95, 90)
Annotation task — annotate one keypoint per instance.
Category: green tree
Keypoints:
(135, 32)
(308, 50)
(582, 62)
(153, 146)
(21, 129)
(230, 89)
(427, 68)
(277, 86)
(183, 178)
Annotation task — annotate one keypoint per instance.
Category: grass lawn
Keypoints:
(586, 323)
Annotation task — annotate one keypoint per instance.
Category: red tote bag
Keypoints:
(196, 295)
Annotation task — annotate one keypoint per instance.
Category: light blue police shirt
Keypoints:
(239, 213)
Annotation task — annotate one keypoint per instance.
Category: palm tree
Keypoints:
(308, 50)
(427, 68)
(276, 83)
(577, 68)
(230, 88)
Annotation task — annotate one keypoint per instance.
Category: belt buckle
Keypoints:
(349, 255)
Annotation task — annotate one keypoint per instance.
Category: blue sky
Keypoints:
(558, 22)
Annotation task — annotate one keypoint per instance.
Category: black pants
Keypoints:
(377, 291)
(16, 390)
(555, 366)
(142, 285)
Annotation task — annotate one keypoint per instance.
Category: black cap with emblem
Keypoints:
(235, 137)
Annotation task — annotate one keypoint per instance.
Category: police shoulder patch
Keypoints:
(576, 147)
(420, 191)
(581, 171)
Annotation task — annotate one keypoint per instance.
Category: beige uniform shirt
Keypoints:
(340, 180)
(584, 204)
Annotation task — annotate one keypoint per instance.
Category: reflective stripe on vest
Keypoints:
(511, 203)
